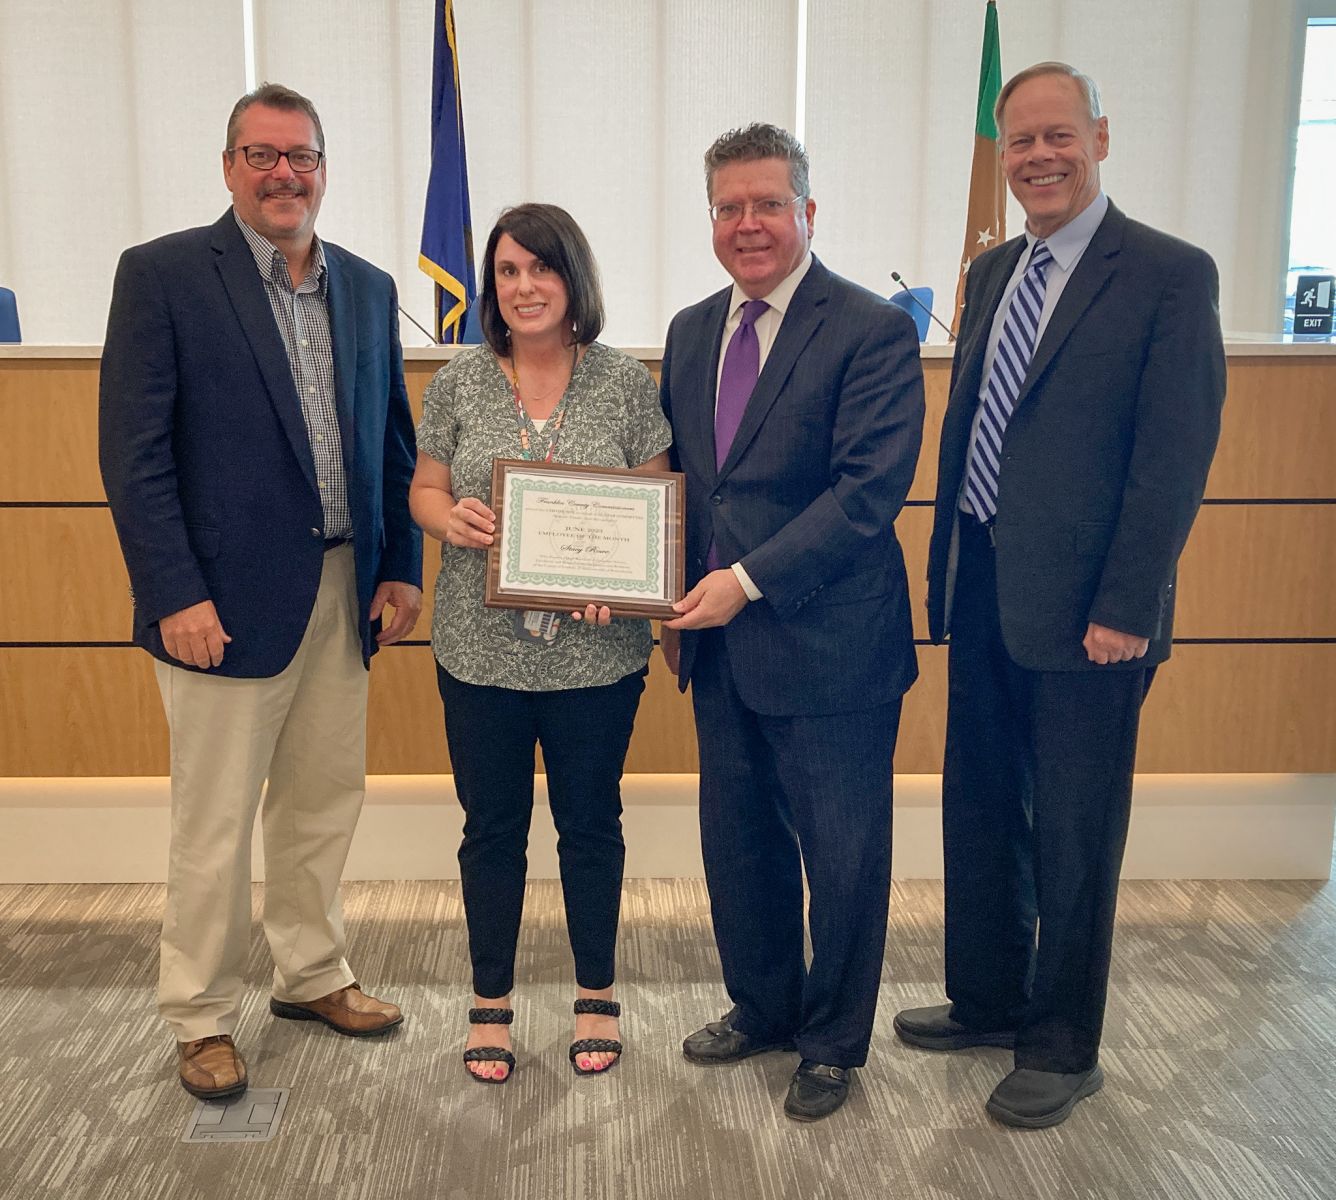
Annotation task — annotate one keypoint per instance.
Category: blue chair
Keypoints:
(472, 332)
(919, 311)
(9, 317)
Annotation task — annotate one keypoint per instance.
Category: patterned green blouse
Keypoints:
(613, 419)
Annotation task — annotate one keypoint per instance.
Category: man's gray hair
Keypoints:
(1085, 85)
(275, 95)
(757, 141)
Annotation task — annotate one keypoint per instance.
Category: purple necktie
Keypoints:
(737, 381)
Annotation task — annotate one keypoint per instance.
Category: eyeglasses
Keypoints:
(265, 158)
(764, 210)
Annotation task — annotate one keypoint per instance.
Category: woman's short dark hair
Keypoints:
(550, 234)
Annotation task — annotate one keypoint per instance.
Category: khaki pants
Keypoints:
(305, 731)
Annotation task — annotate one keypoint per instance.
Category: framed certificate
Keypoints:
(567, 536)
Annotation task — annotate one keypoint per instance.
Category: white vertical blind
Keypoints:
(600, 106)
(111, 132)
(891, 154)
(366, 65)
(606, 107)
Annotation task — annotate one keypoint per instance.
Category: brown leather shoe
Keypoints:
(348, 1011)
(211, 1067)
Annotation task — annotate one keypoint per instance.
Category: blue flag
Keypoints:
(447, 226)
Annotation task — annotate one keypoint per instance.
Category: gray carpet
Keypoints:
(1219, 1053)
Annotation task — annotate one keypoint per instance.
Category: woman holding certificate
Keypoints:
(543, 389)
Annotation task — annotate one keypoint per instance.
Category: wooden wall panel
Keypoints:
(1249, 571)
(1213, 708)
(431, 567)
(936, 383)
(65, 580)
(1278, 432)
(406, 733)
(80, 711)
(1259, 571)
(417, 375)
(914, 527)
(48, 410)
(1223, 708)
(1278, 438)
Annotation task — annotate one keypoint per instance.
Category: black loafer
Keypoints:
(719, 1042)
(933, 1029)
(817, 1090)
(1037, 1099)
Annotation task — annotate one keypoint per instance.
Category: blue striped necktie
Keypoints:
(1015, 349)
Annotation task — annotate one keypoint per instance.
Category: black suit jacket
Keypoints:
(204, 450)
(1105, 457)
(808, 495)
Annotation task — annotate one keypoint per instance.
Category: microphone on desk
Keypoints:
(409, 315)
(909, 291)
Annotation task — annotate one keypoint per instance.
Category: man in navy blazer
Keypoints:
(1084, 411)
(256, 446)
(796, 400)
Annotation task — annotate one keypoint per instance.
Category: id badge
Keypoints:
(541, 627)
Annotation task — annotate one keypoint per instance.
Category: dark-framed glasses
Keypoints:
(265, 158)
(726, 214)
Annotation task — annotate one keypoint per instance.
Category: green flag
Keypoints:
(986, 224)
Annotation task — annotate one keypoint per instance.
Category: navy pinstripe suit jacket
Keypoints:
(808, 495)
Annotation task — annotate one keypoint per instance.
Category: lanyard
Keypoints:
(554, 422)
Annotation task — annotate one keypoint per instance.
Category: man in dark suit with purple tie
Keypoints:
(1084, 411)
(796, 400)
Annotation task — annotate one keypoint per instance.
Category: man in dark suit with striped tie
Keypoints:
(796, 400)
(1084, 411)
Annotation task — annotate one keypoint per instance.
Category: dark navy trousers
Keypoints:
(780, 796)
(1036, 799)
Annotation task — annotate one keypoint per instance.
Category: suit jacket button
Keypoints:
(716, 500)
(315, 533)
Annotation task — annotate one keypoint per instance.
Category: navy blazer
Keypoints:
(205, 455)
(808, 495)
(1105, 457)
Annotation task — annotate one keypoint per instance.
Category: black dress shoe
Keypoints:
(719, 1042)
(933, 1029)
(817, 1090)
(1037, 1099)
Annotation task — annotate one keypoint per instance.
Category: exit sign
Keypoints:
(1312, 304)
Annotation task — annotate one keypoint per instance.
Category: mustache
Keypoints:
(284, 189)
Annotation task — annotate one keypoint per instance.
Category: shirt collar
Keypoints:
(781, 297)
(1068, 243)
(271, 264)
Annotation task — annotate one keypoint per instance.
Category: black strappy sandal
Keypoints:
(599, 1008)
(490, 1016)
